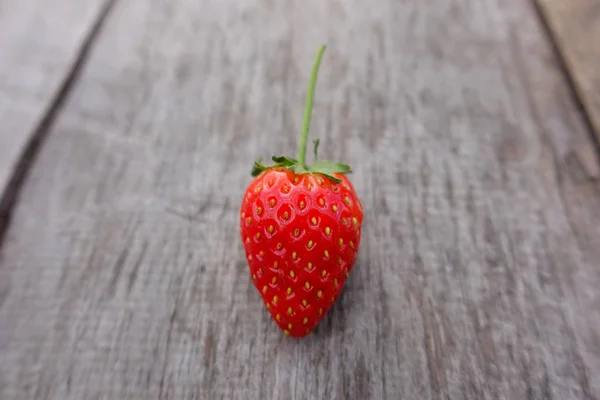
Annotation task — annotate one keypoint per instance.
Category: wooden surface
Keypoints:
(39, 46)
(122, 275)
(575, 25)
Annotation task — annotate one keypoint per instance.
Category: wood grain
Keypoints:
(123, 275)
(40, 42)
(575, 26)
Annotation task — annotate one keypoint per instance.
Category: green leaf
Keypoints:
(284, 161)
(299, 169)
(329, 167)
(333, 178)
(258, 168)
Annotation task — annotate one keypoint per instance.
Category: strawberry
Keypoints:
(300, 226)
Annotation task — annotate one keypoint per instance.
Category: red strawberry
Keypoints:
(300, 226)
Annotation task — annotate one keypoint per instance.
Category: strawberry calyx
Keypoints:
(325, 167)
(298, 165)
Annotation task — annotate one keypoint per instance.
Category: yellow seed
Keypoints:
(307, 285)
(320, 294)
(258, 210)
(260, 272)
(351, 244)
(286, 189)
(250, 257)
(254, 276)
(307, 331)
(292, 274)
(290, 310)
(289, 326)
(294, 255)
(289, 290)
(326, 253)
(296, 179)
(334, 208)
(332, 299)
(262, 253)
(272, 202)
(265, 289)
(302, 205)
(249, 220)
(274, 280)
(247, 240)
(310, 266)
(268, 306)
(335, 282)
(279, 246)
(321, 202)
(243, 214)
(320, 181)
(354, 220)
(346, 272)
(278, 317)
(305, 320)
(258, 189)
(313, 220)
(258, 236)
(296, 232)
(324, 273)
(286, 215)
(271, 228)
(340, 260)
(271, 182)
(309, 186)
(320, 311)
(276, 265)
(287, 333)
(304, 303)
(347, 200)
(341, 242)
(328, 231)
(310, 244)
(275, 300)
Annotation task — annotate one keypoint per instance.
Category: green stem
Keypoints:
(308, 107)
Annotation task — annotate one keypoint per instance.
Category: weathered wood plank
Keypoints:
(39, 44)
(575, 26)
(123, 275)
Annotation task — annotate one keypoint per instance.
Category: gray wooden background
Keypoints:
(127, 134)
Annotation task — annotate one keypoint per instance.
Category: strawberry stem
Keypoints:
(308, 107)
(327, 168)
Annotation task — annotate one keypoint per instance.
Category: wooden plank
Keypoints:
(39, 44)
(124, 277)
(575, 26)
